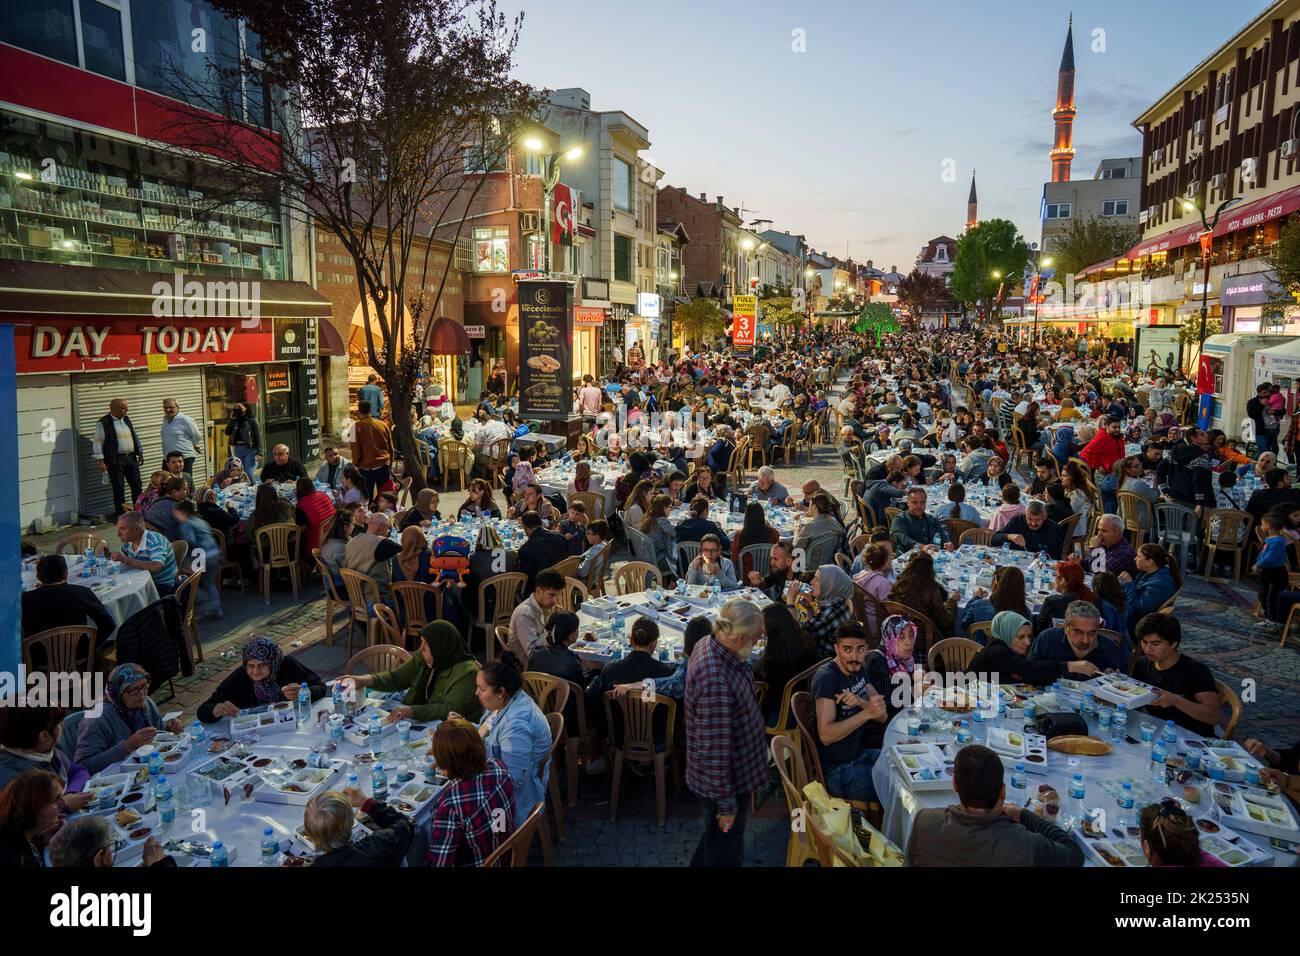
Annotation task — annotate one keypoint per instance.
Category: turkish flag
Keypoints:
(564, 218)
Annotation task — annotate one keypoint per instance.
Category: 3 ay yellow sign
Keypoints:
(744, 311)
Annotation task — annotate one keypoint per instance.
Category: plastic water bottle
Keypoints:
(338, 699)
(197, 733)
(379, 783)
(964, 736)
(155, 764)
(304, 704)
(617, 627)
(1119, 725)
(163, 799)
(1169, 736)
(1077, 794)
(354, 782)
(1125, 818)
(1088, 709)
(681, 585)
(219, 855)
(86, 565)
(1156, 769)
(270, 848)
(1006, 548)
(375, 730)
(1018, 780)
(715, 592)
(935, 540)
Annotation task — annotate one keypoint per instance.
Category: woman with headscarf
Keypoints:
(232, 474)
(1164, 423)
(1005, 657)
(128, 721)
(265, 677)
(424, 512)
(831, 606)
(439, 680)
(898, 645)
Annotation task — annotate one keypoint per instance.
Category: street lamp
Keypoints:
(1207, 247)
(1039, 262)
(550, 179)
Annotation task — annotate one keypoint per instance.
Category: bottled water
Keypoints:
(964, 736)
(1018, 780)
(162, 795)
(1125, 818)
(1156, 769)
(935, 540)
(1169, 736)
(219, 855)
(1077, 794)
(1119, 725)
(1006, 548)
(197, 733)
(375, 730)
(354, 783)
(270, 848)
(155, 764)
(617, 627)
(304, 704)
(379, 783)
(338, 698)
(86, 562)
(716, 591)
(681, 585)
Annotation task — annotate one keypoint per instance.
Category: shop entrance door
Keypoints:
(224, 386)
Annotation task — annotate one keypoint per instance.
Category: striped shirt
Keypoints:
(155, 547)
(724, 728)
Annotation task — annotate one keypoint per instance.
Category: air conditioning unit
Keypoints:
(530, 222)
(1218, 181)
(1193, 189)
(1290, 148)
(1198, 128)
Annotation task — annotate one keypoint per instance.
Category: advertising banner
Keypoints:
(545, 351)
(744, 311)
(105, 343)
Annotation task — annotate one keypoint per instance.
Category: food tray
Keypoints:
(279, 718)
(1229, 848)
(1234, 757)
(607, 607)
(412, 798)
(1112, 851)
(221, 772)
(1122, 691)
(922, 766)
(132, 838)
(1007, 744)
(701, 595)
(680, 614)
(1254, 811)
(357, 729)
(296, 787)
(1035, 759)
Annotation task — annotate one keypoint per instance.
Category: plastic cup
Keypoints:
(1148, 731)
(404, 731)
(913, 726)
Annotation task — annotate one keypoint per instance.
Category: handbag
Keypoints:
(1062, 724)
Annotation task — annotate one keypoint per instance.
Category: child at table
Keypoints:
(574, 527)
(1271, 567)
(597, 544)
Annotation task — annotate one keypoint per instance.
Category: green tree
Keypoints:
(1090, 241)
(778, 311)
(991, 260)
(1284, 258)
(700, 320)
(918, 291)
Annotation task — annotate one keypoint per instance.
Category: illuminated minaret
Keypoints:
(1063, 116)
(972, 203)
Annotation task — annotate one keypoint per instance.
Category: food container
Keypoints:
(1035, 759)
(680, 614)
(607, 607)
(1254, 811)
(1115, 853)
(357, 729)
(923, 766)
(279, 718)
(1121, 691)
(221, 772)
(296, 787)
(1009, 745)
(1229, 848)
(1232, 757)
(130, 839)
(414, 797)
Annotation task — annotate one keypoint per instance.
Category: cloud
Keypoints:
(911, 131)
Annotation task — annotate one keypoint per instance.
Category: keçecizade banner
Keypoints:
(545, 350)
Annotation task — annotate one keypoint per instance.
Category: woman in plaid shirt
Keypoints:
(475, 810)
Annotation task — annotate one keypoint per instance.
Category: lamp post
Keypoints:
(550, 179)
(1207, 246)
(997, 274)
(1039, 262)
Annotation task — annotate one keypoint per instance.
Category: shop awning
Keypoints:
(1249, 216)
(448, 337)
(48, 288)
(328, 340)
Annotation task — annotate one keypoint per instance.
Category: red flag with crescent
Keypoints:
(564, 217)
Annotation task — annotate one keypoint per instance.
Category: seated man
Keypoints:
(887, 492)
(543, 549)
(330, 474)
(87, 841)
(851, 714)
(775, 582)
(146, 550)
(1079, 640)
(281, 467)
(914, 528)
(533, 500)
(710, 567)
(528, 622)
(56, 603)
(162, 513)
(982, 830)
(1110, 544)
(1032, 532)
(767, 488)
(1187, 693)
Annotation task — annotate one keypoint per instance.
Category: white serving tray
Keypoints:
(1122, 691)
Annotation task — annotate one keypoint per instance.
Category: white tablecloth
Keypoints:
(122, 594)
(901, 805)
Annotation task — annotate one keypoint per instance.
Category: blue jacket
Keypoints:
(1063, 447)
(1051, 645)
(374, 395)
(1146, 592)
(520, 738)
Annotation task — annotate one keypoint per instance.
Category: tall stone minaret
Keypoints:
(1063, 115)
(972, 204)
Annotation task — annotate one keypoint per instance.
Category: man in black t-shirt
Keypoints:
(1187, 694)
(851, 715)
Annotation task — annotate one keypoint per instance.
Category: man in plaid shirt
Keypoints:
(725, 735)
(474, 812)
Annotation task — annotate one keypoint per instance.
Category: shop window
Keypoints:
(172, 59)
(492, 249)
(101, 39)
(622, 187)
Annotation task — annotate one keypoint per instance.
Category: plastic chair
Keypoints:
(410, 597)
(556, 813)
(639, 744)
(575, 743)
(978, 627)
(454, 457)
(956, 653)
(1231, 523)
(363, 595)
(1136, 514)
(181, 550)
(593, 501)
(60, 646)
(78, 543)
(686, 553)
(800, 681)
(790, 767)
(1176, 529)
(976, 536)
(186, 595)
(333, 600)
(507, 592)
(1228, 698)
(229, 566)
(274, 539)
(631, 577)
(956, 528)
(573, 596)
(377, 658)
(387, 628)
(759, 559)
(514, 851)
(641, 547)
(550, 693)
(804, 710)
(568, 568)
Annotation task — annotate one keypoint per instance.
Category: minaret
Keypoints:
(1063, 115)
(972, 203)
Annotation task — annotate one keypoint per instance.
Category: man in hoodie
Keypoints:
(1185, 474)
(885, 493)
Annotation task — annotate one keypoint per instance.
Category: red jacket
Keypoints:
(1103, 451)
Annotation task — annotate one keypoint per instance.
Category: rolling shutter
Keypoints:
(47, 479)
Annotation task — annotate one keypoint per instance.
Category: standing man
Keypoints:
(372, 449)
(118, 451)
(372, 393)
(244, 437)
(180, 433)
(589, 397)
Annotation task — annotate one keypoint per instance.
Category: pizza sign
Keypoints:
(744, 310)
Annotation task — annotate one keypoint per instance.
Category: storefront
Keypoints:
(613, 336)
(74, 357)
(587, 325)
(1253, 302)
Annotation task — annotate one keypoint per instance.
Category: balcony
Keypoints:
(595, 289)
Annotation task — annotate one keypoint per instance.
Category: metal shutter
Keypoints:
(144, 394)
(47, 480)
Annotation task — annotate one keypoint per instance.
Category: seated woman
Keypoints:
(438, 680)
(1186, 692)
(334, 548)
(232, 474)
(354, 486)
(583, 479)
(661, 532)
(29, 740)
(30, 807)
(479, 503)
(1111, 602)
(789, 651)
(328, 822)
(753, 530)
(918, 587)
(822, 519)
(1170, 837)
(129, 720)
(1011, 507)
(151, 494)
(424, 512)
(703, 484)
(268, 508)
(1152, 586)
(515, 731)
(830, 606)
(266, 677)
(464, 828)
(1007, 655)
(876, 578)
(1008, 595)
(313, 509)
(1069, 587)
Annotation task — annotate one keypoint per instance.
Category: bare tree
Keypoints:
(361, 124)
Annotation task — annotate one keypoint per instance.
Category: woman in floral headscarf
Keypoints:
(129, 721)
(898, 644)
(265, 677)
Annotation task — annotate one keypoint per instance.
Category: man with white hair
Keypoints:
(1110, 544)
(370, 553)
(767, 488)
(86, 841)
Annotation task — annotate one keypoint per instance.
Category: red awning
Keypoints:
(1237, 218)
(328, 340)
(448, 338)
